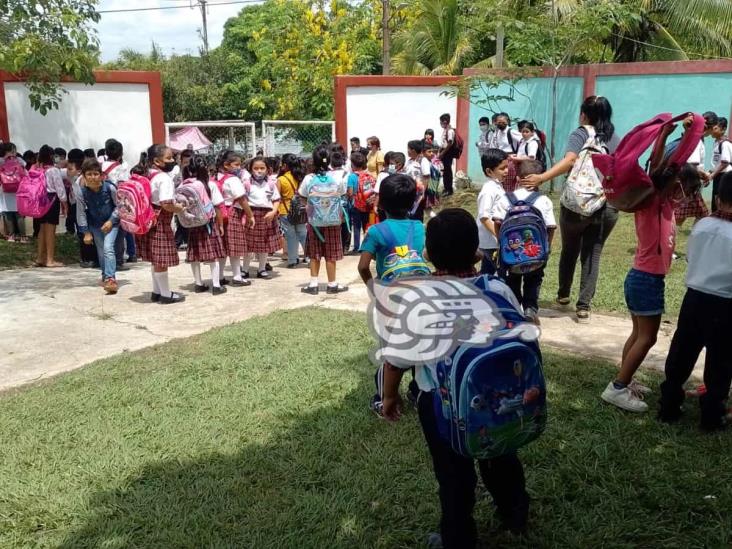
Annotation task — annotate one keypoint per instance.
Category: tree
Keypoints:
(46, 41)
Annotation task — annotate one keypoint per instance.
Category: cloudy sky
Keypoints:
(174, 30)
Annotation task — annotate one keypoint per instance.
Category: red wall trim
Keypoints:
(152, 79)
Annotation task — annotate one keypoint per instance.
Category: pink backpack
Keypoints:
(627, 185)
(11, 174)
(136, 214)
(199, 210)
(225, 210)
(32, 197)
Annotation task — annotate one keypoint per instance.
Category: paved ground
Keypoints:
(56, 320)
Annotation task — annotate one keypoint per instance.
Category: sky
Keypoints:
(174, 30)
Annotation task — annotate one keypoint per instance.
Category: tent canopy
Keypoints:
(190, 137)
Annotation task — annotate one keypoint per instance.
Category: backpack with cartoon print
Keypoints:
(523, 238)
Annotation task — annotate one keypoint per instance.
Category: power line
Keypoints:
(157, 8)
(641, 42)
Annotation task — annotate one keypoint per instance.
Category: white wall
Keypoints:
(87, 117)
(396, 114)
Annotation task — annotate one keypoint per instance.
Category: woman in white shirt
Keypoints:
(158, 245)
(46, 225)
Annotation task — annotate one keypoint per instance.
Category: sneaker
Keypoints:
(638, 387)
(376, 406)
(624, 398)
(122, 267)
(675, 255)
(434, 541)
(532, 315)
(239, 283)
(292, 265)
(174, 298)
(155, 298)
(218, 291)
(86, 264)
(110, 286)
(669, 415)
(264, 274)
(11, 238)
(312, 290)
(562, 301)
(697, 391)
(200, 288)
(133, 259)
(583, 316)
(336, 289)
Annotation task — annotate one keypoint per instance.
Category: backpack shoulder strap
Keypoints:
(512, 200)
(533, 197)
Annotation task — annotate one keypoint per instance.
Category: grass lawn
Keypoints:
(258, 435)
(14, 255)
(617, 258)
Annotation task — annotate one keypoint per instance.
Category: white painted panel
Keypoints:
(397, 114)
(87, 117)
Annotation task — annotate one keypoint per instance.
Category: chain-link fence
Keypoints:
(299, 137)
(222, 135)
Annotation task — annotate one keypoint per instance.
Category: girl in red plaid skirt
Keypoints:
(264, 200)
(240, 217)
(323, 242)
(158, 245)
(204, 243)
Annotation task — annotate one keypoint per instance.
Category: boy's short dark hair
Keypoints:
(452, 240)
(724, 191)
(76, 157)
(710, 119)
(89, 153)
(358, 160)
(397, 195)
(355, 140)
(484, 120)
(415, 145)
(59, 151)
(529, 166)
(91, 165)
(398, 158)
(445, 118)
(101, 152)
(113, 150)
(722, 122)
(337, 159)
(492, 158)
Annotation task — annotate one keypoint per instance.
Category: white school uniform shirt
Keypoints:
(119, 173)
(233, 189)
(722, 153)
(55, 183)
(448, 134)
(419, 170)
(699, 155)
(490, 195)
(379, 179)
(216, 197)
(529, 147)
(262, 195)
(498, 139)
(542, 203)
(162, 188)
(709, 252)
(339, 175)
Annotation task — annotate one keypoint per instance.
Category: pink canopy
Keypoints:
(187, 138)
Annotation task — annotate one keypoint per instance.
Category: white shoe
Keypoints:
(638, 387)
(624, 398)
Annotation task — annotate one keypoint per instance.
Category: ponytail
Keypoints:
(141, 167)
(321, 159)
(198, 169)
(226, 157)
(599, 113)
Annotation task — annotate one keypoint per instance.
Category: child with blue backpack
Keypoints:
(495, 165)
(524, 238)
(452, 247)
(396, 245)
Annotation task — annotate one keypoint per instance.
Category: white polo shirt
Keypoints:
(710, 257)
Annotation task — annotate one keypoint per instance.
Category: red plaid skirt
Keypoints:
(331, 249)
(264, 238)
(235, 239)
(511, 181)
(691, 206)
(158, 245)
(205, 246)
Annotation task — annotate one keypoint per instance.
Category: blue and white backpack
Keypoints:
(523, 239)
(403, 260)
(491, 399)
(325, 203)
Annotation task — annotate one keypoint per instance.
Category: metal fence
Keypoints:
(299, 137)
(223, 134)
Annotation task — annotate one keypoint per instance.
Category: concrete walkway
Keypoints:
(57, 320)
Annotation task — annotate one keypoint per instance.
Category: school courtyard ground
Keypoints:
(241, 421)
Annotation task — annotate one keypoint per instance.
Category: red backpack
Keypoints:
(365, 191)
(626, 184)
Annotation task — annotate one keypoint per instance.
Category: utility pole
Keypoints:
(385, 38)
(202, 5)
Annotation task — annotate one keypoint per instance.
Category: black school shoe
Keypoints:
(268, 267)
(311, 290)
(200, 289)
(174, 298)
(218, 291)
(336, 289)
(240, 283)
(264, 274)
(155, 298)
(223, 282)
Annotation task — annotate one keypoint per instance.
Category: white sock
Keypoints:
(156, 288)
(215, 274)
(236, 268)
(222, 267)
(162, 279)
(262, 258)
(247, 262)
(332, 284)
(196, 268)
(313, 281)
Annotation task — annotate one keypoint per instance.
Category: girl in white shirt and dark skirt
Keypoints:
(264, 200)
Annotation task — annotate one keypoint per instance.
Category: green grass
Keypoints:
(14, 255)
(258, 435)
(617, 258)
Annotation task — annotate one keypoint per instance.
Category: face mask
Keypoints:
(484, 127)
(501, 126)
(259, 178)
(392, 169)
(168, 166)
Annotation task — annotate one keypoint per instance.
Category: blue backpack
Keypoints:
(523, 239)
(491, 400)
(402, 260)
